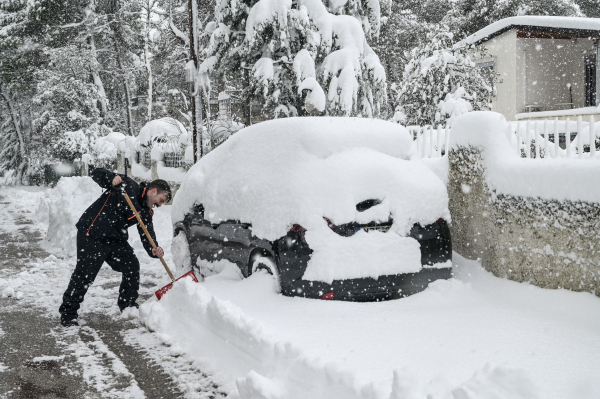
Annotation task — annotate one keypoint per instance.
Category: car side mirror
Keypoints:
(199, 211)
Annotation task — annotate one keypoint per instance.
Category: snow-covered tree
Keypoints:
(437, 68)
(66, 102)
(299, 56)
(468, 16)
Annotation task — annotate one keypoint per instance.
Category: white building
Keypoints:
(546, 66)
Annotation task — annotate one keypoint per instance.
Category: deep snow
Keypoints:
(476, 333)
(475, 336)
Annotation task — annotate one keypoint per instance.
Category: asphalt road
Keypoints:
(41, 359)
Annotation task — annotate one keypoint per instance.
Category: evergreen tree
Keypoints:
(441, 71)
(299, 57)
(67, 103)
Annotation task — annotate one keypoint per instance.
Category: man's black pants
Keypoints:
(91, 254)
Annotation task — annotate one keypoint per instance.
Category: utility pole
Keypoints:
(196, 98)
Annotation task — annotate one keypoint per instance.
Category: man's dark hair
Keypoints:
(161, 186)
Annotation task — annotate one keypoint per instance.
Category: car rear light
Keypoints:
(331, 225)
(440, 220)
(329, 295)
(297, 228)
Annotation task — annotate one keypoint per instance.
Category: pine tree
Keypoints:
(66, 102)
(437, 68)
(299, 57)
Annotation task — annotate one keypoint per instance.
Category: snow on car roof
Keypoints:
(298, 170)
(558, 23)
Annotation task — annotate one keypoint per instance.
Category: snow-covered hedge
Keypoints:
(532, 220)
(574, 179)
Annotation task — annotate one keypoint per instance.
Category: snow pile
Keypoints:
(476, 336)
(585, 137)
(574, 179)
(106, 147)
(170, 174)
(9, 292)
(9, 178)
(455, 104)
(127, 146)
(364, 254)
(66, 203)
(162, 130)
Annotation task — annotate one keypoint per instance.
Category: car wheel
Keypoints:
(260, 263)
(180, 249)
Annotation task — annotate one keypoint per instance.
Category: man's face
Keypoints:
(153, 199)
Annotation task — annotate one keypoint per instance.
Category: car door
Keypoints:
(204, 238)
(235, 242)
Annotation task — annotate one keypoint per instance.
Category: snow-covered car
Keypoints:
(333, 208)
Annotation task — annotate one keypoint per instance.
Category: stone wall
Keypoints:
(552, 244)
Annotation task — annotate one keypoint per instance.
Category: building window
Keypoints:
(590, 80)
(487, 70)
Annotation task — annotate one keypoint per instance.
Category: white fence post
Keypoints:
(568, 138)
(528, 139)
(447, 140)
(435, 147)
(535, 137)
(546, 140)
(556, 139)
(431, 130)
(424, 142)
(518, 135)
(439, 141)
(579, 138)
(592, 129)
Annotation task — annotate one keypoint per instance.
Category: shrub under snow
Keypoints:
(440, 79)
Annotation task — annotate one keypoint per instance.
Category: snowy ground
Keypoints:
(97, 352)
(475, 336)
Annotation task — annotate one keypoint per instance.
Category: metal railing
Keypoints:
(174, 159)
(146, 159)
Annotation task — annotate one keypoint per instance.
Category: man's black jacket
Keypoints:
(110, 216)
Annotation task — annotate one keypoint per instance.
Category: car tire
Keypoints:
(180, 249)
(260, 262)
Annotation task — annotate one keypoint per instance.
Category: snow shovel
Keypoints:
(167, 287)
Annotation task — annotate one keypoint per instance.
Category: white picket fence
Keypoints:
(431, 142)
(542, 138)
(532, 139)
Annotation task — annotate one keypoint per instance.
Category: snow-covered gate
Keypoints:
(532, 216)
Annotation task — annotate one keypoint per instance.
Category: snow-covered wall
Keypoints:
(534, 220)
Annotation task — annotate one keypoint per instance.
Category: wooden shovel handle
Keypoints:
(139, 219)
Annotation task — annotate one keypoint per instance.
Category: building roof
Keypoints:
(576, 25)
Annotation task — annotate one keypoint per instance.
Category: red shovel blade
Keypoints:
(159, 294)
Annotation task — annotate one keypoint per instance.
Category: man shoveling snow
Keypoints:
(102, 237)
